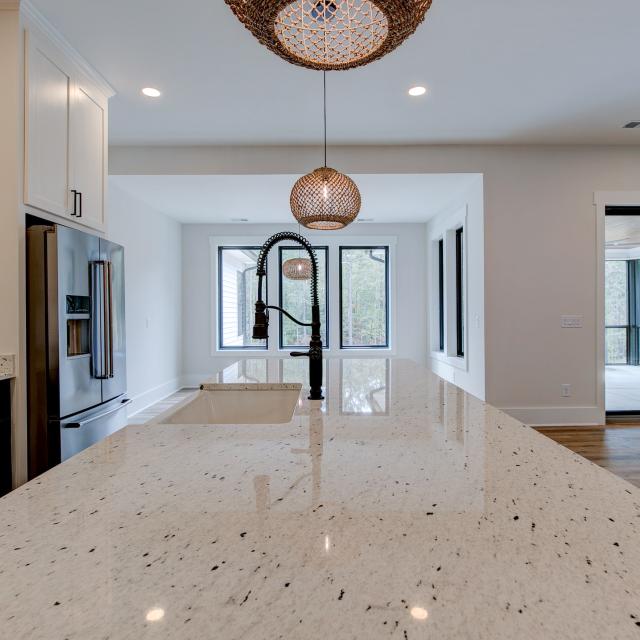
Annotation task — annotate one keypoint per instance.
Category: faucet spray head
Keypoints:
(261, 324)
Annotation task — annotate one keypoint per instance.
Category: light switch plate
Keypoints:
(7, 366)
(571, 322)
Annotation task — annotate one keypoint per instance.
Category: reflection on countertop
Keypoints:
(363, 383)
(399, 507)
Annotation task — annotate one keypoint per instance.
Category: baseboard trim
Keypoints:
(194, 380)
(557, 416)
(144, 400)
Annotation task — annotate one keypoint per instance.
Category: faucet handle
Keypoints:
(299, 354)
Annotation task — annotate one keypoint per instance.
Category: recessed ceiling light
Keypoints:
(417, 91)
(239, 219)
(151, 92)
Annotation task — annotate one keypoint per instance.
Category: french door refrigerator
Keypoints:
(75, 342)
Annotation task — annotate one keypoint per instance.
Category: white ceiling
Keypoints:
(265, 198)
(498, 71)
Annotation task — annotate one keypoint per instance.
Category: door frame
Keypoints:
(602, 200)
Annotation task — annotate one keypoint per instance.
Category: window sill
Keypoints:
(234, 350)
(452, 361)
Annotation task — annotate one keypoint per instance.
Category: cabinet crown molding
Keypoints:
(33, 17)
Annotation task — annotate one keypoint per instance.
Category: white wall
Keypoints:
(540, 248)
(153, 263)
(408, 284)
(9, 179)
(12, 331)
(467, 372)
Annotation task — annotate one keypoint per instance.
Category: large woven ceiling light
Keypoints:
(331, 35)
(325, 199)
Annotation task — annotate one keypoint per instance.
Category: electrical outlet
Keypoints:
(571, 322)
(565, 390)
(7, 366)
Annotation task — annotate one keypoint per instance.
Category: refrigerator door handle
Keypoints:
(82, 423)
(98, 359)
(108, 325)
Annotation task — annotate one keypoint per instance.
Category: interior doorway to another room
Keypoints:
(622, 311)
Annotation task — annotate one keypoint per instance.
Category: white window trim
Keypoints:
(447, 231)
(601, 200)
(333, 242)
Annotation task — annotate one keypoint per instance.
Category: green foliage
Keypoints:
(616, 310)
(364, 297)
(296, 299)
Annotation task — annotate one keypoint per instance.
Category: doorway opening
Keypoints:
(622, 311)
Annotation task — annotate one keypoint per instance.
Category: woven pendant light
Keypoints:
(325, 199)
(331, 35)
(297, 269)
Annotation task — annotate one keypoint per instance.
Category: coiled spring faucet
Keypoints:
(261, 325)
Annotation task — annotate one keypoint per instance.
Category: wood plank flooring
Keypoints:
(615, 447)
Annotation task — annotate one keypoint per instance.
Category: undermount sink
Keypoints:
(235, 406)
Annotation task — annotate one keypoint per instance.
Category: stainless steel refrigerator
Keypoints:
(75, 342)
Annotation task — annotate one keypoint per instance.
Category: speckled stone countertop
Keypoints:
(401, 507)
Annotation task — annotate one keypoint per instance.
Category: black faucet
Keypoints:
(261, 325)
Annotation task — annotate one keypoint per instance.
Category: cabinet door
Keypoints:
(88, 154)
(47, 130)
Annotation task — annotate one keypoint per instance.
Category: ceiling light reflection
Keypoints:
(155, 614)
(419, 613)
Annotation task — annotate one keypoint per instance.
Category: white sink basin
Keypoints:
(233, 406)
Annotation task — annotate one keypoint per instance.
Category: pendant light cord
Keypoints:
(324, 87)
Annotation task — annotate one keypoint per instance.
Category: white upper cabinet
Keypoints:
(66, 120)
(47, 129)
(88, 155)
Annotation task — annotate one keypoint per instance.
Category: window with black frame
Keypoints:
(621, 311)
(364, 297)
(237, 294)
(441, 294)
(295, 298)
(460, 319)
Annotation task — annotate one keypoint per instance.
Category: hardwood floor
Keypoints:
(615, 447)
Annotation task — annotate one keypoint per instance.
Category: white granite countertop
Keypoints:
(401, 507)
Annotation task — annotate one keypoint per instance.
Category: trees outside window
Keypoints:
(364, 289)
(616, 311)
(296, 299)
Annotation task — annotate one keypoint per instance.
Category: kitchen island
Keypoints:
(399, 507)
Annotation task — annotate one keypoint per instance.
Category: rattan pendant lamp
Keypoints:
(325, 199)
(297, 268)
(331, 35)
